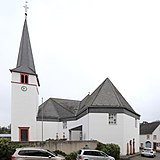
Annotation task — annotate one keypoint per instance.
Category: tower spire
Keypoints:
(26, 8)
(25, 61)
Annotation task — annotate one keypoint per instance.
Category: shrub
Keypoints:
(110, 149)
(7, 148)
(71, 156)
(58, 152)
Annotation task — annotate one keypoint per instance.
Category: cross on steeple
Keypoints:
(26, 8)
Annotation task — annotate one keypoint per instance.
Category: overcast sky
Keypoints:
(77, 44)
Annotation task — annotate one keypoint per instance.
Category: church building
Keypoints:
(103, 115)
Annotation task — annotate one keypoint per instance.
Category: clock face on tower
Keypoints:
(24, 88)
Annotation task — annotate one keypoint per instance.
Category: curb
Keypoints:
(129, 156)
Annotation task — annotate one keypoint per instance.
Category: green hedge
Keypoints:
(7, 148)
(71, 156)
(111, 149)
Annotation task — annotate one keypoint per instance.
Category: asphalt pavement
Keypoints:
(146, 158)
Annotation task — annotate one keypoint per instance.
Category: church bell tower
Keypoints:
(24, 91)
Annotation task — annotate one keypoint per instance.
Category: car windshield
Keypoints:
(51, 152)
(147, 149)
(104, 154)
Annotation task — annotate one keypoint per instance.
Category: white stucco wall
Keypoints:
(120, 133)
(99, 128)
(23, 106)
(95, 126)
(84, 121)
(50, 130)
(157, 133)
(131, 131)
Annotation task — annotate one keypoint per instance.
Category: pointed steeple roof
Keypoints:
(25, 61)
(106, 95)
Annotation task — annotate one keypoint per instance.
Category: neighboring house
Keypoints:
(150, 135)
(104, 115)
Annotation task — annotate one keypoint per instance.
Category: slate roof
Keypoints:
(104, 99)
(148, 128)
(25, 61)
(55, 109)
(105, 95)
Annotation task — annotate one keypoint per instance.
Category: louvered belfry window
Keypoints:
(24, 78)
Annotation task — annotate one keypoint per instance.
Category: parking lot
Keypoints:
(146, 158)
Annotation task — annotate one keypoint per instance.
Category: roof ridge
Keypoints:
(86, 97)
(64, 99)
(115, 92)
(61, 105)
(100, 87)
(42, 107)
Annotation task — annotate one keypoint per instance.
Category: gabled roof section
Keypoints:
(70, 105)
(25, 61)
(55, 109)
(148, 128)
(106, 95)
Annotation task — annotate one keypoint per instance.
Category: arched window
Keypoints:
(148, 144)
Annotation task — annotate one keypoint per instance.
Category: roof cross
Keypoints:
(26, 8)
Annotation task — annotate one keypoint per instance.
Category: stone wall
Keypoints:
(65, 146)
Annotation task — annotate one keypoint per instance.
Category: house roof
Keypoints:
(25, 61)
(104, 99)
(148, 128)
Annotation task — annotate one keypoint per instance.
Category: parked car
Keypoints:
(87, 154)
(34, 153)
(148, 152)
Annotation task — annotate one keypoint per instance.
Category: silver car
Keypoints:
(88, 154)
(148, 152)
(34, 154)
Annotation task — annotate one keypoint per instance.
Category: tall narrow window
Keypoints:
(112, 118)
(24, 134)
(24, 78)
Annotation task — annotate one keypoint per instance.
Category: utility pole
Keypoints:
(42, 120)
